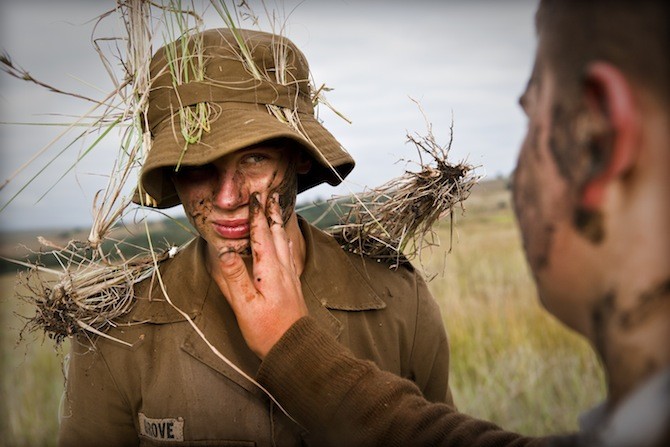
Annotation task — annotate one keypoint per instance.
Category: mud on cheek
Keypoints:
(287, 190)
(537, 232)
(650, 304)
(198, 211)
(576, 145)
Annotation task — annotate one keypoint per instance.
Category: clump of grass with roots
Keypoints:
(394, 222)
(86, 296)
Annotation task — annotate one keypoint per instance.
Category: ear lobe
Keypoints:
(609, 95)
(304, 164)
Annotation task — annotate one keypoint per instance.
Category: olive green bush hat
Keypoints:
(238, 103)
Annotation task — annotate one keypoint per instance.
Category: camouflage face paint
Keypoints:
(649, 303)
(590, 224)
(580, 143)
(254, 209)
(537, 231)
(288, 189)
(198, 211)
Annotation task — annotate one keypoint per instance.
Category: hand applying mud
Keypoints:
(268, 301)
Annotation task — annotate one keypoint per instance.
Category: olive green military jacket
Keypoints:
(170, 388)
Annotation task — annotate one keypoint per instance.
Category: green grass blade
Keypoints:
(84, 154)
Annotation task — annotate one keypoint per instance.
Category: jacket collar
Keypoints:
(186, 281)
(331, 276)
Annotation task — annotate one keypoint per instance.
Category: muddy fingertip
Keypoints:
(254, 203)
(227, 256)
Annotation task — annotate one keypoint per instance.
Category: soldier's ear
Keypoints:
(612, 127)
(304, 164)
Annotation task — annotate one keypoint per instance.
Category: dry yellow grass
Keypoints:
(512, 362)
(32, 378)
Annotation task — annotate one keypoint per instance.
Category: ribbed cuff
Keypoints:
(309, 372)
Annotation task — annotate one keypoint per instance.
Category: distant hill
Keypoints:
(166, 232)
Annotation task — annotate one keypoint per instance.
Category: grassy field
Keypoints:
(512, 363)
(32, 378)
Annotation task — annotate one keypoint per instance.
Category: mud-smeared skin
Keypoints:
(649, 303)
(610, 321)
(528, 204)
(580, 145)
(199, 212)
(287, 190)
(590, 224)
(550, 172)
(566, 147)
(254, 209)
(263, 170)
(254, 204)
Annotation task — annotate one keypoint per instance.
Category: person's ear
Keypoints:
(610, 102)
(304, 164)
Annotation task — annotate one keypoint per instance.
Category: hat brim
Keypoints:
(237, 126)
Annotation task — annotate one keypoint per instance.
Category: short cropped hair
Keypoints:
(633, 35)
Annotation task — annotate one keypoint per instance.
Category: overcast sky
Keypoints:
(469, 57)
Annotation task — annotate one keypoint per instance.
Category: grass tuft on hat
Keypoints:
(221, 90)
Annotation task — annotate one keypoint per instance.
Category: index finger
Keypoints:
(233, 279)
(278, 231)
(262, 244)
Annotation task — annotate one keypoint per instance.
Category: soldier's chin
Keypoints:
(242, 247)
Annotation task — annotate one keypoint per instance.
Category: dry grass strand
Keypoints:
(394, 222)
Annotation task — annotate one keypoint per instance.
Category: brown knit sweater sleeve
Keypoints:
(342, 400)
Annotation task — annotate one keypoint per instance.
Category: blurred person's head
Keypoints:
(592, 184)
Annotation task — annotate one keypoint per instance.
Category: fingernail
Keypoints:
(254, 203)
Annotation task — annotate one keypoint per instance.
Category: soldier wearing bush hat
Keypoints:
(239, 115)
(235, 138)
